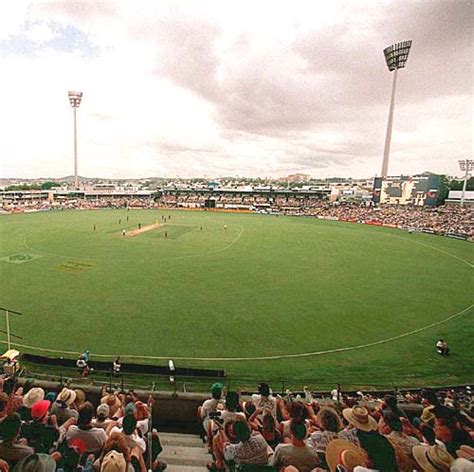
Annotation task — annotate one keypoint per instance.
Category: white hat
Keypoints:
(67, 396)
(34, 395)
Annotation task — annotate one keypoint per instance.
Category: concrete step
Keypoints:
(183, 455)
(185, 468)
(173, 439)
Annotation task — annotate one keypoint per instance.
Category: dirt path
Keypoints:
(143, 229)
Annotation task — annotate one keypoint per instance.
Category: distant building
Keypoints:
(416, 190)
(104, 188)
(454, 197)
(298, 178)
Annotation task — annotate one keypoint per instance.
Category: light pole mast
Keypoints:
(467, 165)
(75, 100)
(396, 57)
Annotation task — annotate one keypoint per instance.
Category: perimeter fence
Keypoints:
(201, 384)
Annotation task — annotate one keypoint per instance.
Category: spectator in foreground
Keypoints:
(432, 458)
(402, 443)
(250, 449)
(36, 463)
(41, 433)
(346, 454)
(209, 406)
(461, 465)
(264, 400)
(449, 430)
(390, 409)
(267, 428)
(114, 403)
(429, 438)
(33, 395)
(114, 462)
(62, 407)
(115, 443)
(297, 454)
(330, 423)
(3, 405)
(378, 448)
(130, 432)
(102, 420)
(93, 438)
(12, 448)
(298, 413)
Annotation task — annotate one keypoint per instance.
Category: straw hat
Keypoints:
(360, 418)
(113, 462)
(67, 396)
(465, 451)
(113, 401)
(34, 395)
(462, 465)
(341, 452)
(80, 397)
(432, 458)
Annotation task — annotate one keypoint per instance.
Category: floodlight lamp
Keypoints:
(396, 55)
(75, 98)
(466, 165)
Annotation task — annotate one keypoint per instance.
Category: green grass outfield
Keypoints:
(265, 286)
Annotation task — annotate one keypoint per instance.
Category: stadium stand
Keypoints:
(56, 427)
(451, 221)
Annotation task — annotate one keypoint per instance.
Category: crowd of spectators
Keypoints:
(443, 220)
(358, 433)
(62, 431)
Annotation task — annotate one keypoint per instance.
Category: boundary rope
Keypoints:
(261, 358)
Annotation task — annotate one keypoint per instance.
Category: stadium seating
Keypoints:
(452, 221)
(313, 432)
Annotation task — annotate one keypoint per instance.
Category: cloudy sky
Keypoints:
(218, 88)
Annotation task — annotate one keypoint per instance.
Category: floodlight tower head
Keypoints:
(396, 55)
(75, 98)
(466, 165)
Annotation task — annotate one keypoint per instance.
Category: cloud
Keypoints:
(187, 88)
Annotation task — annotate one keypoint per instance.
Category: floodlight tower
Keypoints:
(75, 100)
(396, 57)
(466, 166)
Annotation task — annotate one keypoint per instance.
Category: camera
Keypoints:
(215, 415)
